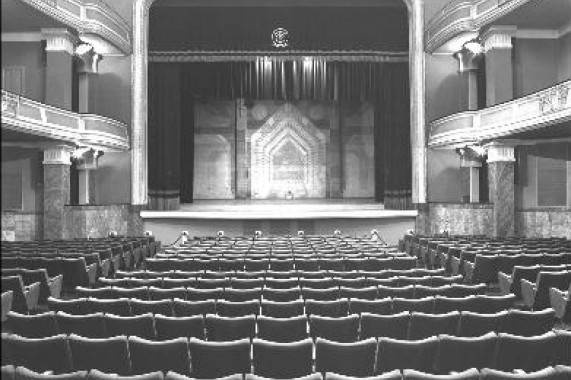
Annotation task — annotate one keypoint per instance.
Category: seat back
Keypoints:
(149, 356)
(182, 308)
(402, 354)
(141, 326)
(351, 359)
(229, 328)
(337, 329)
(89, 325)
(109, 355)
(393, 326)
(38, 354)
(210, 360)
(33, 326)
(291, 329)
(282, 360)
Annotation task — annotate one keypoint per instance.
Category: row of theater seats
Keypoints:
(49, 286)
(335, 308)
(316, 274)
(284, 295)
(485, 268)
(206, 360)
(351, 328)
(550, 373)
(311, 263)
(510, 282)
(281, 283)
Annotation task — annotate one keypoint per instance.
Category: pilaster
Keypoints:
(499, 66)
(57, 161)
(501, 171)
(60, 47)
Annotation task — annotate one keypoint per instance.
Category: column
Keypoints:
(499, 66)
(468, 61)
(417, 101)
(88, 70)
(60, 47)
(242, 162)
(86, 166)
(470, 171)
(57, 161)
(501, 169)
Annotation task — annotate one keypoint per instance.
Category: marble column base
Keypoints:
(56, 196)
(502, 196)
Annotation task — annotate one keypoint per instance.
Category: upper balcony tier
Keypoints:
(546, 108)
(95, 22)
(24, 115)
(462, 20)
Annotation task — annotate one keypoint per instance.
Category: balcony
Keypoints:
(95, 21)
(28, 116)
(545, 108)
(464, 17)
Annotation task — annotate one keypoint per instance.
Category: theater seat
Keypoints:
(476, 324)
(378, 326)
(141, 326)
(175, 327)
(98, 375)
(421, 305)
(455, 354)
(88, 325)
(33, 326)
(120, 306)
(169, 355)
(74, 306)
(337, 308)
(282, 309)
(291, 329)
(425, 325)
(392, 375)
(163, 307)
(351, 359)
(182, 308)
(337, 329)
(406, 354)
(548, 373)
(22, 373)
(109, 355)
(177, 376)
(237, 309)
(528, 323)
(37, 354)
(212, 360)
(222, 329)
(378, 306)
(250, 376)
(469, 374)
(281, 295)
(526, 353)
(282, 360)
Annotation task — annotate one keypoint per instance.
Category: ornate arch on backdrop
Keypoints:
(139, 109)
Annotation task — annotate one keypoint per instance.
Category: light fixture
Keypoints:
(112, 234)
(337, 233)
(300, 233)
(220, 233)
(148, 233)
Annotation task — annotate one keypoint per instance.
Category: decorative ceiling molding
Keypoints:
(461, 16)
(89, 18)
(24, 115)
(544, 108)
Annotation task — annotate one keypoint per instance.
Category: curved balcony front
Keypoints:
(548, 107)
(467, 17)
(95, 21)
(28, 116)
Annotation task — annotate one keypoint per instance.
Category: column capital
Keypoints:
(498, 152)
(89, 59)
(88, 160)
(58, 155)
(498, 37)
(468, 60)
(59, 39)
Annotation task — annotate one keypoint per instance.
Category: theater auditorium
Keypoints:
(286, 189)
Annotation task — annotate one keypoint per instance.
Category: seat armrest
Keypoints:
(32, 294)
(455, 265)
(559, 300)
(7, 298)
(92, 273)
(505, 282)
(55, 284)
(105, 266)
(127, 260)
(528, 291)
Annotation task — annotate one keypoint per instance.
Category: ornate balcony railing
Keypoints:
(460, 16)
(29, 116)
(543, 108)
(89, 17)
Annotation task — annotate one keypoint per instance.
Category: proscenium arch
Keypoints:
(139, 99)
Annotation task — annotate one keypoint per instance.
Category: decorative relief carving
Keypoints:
(10, 103)
(555, 99)
(288, 155)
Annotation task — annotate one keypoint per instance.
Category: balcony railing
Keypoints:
(93, 17)
(544, 108)
(29, 116)
(460, 16)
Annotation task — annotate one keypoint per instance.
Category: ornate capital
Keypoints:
(58, 155)
(88, 160)
(498, 152)
(467, 60)
(60, 40)
(89, 62)
(498, 37)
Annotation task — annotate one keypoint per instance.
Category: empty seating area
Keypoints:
(285, 308)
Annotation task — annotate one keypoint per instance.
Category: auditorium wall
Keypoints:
(455, 218)
(28, 57)
(564, 49)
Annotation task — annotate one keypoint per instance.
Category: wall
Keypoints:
(535, 65)
(544, 222)
(29, 55)
(456, 219)
(113, 89)
(564, 61)
(444, 177)
(113, 178)
(443, 87)
(98, 221)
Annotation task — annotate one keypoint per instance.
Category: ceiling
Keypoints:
(539, 14)
(10, 136)
(20, 17)
(558, 131)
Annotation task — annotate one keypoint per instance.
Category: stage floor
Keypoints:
(280, 209)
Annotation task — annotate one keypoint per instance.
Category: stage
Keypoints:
(353, 217)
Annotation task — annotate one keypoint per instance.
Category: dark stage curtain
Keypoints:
(174, 87)
(164, 136)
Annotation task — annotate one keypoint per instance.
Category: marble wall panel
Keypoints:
(56, 196)
(97, 220)
(22, 225)
(454, 218)
(544, 222)
(502, 195)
